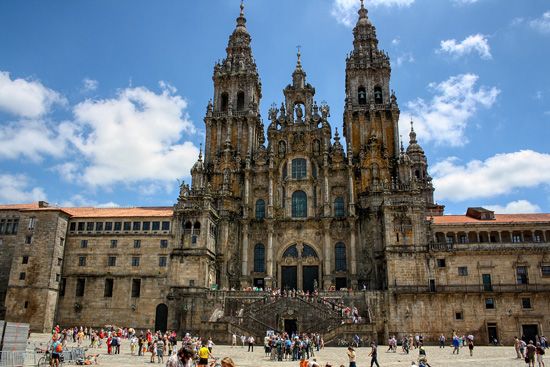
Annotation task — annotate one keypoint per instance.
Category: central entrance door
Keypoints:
(311, 274)
(291, 326)
(289, 277)
(161, 317)
(530, 332)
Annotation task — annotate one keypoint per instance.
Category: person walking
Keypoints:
(471, 346)
(540, 352)
(351, 356)
(530, 352)
(374, 355)
(251, 343)
(456, 344)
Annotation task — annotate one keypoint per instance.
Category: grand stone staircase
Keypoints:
(256, 314)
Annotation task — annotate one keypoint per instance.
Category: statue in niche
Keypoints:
(282, 149)
(226, 179)
(299, 112)
(184, 190)
(316, 147)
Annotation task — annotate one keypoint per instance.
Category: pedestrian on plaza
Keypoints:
(160, 351)
(374, 355)
(233, 340)
(251, 343)
(540, 352)
(352, 356)
(243, 340)
(471, 346)
(456, 344)
(442, 341)
(204, 354)
(530, 352)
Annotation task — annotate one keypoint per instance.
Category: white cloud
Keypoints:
(25, 98)
(474, 43)
(497, 175)
(406, 57)
(514, 207)
(15, 189)
(396, 41)
(30, 139)
(444, 119)
(89, 85)
(80, 201)
(541, 24)
(345, 11)
(134, 137)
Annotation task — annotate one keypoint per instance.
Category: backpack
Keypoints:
(59, 348)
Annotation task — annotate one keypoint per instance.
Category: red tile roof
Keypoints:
(499, 219)
(89, 212)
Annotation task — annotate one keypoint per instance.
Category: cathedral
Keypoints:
(295, 208)
(286, 207)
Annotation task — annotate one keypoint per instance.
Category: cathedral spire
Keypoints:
(299, 75)
(412, 134)
(241, 20)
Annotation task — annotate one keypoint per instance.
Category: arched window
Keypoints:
(260, 209)
(309, 251)
(188, 227)
(339, 210)
(225, 102)
(362, 95)
(378, 95)
(292, 251)
(340, 257)
(299, 204)
(299, 169)
(240, 101)
(259, 258)
(314, 170)
(197, 227)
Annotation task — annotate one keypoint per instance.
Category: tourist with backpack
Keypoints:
(57, 349)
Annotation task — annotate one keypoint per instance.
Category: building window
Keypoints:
(225, 102)
(28, 240)
(193, 239)
(135, 261)
(462, 238)
(136, 288)
(521, 275)
(59, 261)
(127, 226)
(260, 209)
(81, 226)
(108, 292)
(114, 243)
(108, 226)
(146, 226)
(22, 275)
(299, 168)
(516, 238)
(32, 222)
(459, 316)
(89, 226)
(449, 240)
(72, 227)
(489, 303)
(545, 270)
(163, 243)
(191, 282)
(166, 226)
(299, 204)
(57, 277)
(62, 287)
(339, 210)
(118, 226)
(362, 95)
(99, 226)
(111, 261)
(155, 226)
(526, 303)
(162, 261)
(259, 258)
(378, 95)
(82, 261)
(80, 287)
(15, 226)
(136, 226)
(441, 263)
(61, 241)
(463, 271)
(340, 257)
(240, 101)
(25, 260)
(137, 243)
(26, 305)
(83, 243)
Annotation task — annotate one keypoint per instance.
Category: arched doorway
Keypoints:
(161, 318)
(299, 268)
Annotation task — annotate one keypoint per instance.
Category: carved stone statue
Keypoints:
(299, 112)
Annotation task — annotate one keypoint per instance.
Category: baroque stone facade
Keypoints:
(290, 210)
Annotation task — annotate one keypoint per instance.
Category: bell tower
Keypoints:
(233, 125)
(371, 113)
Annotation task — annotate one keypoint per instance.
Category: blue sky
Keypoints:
(102, 102)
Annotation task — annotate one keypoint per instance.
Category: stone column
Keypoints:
(351, 206)
(269, 262)
(245, 251)
(327, 278)
(270, 200)
(353, 255)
